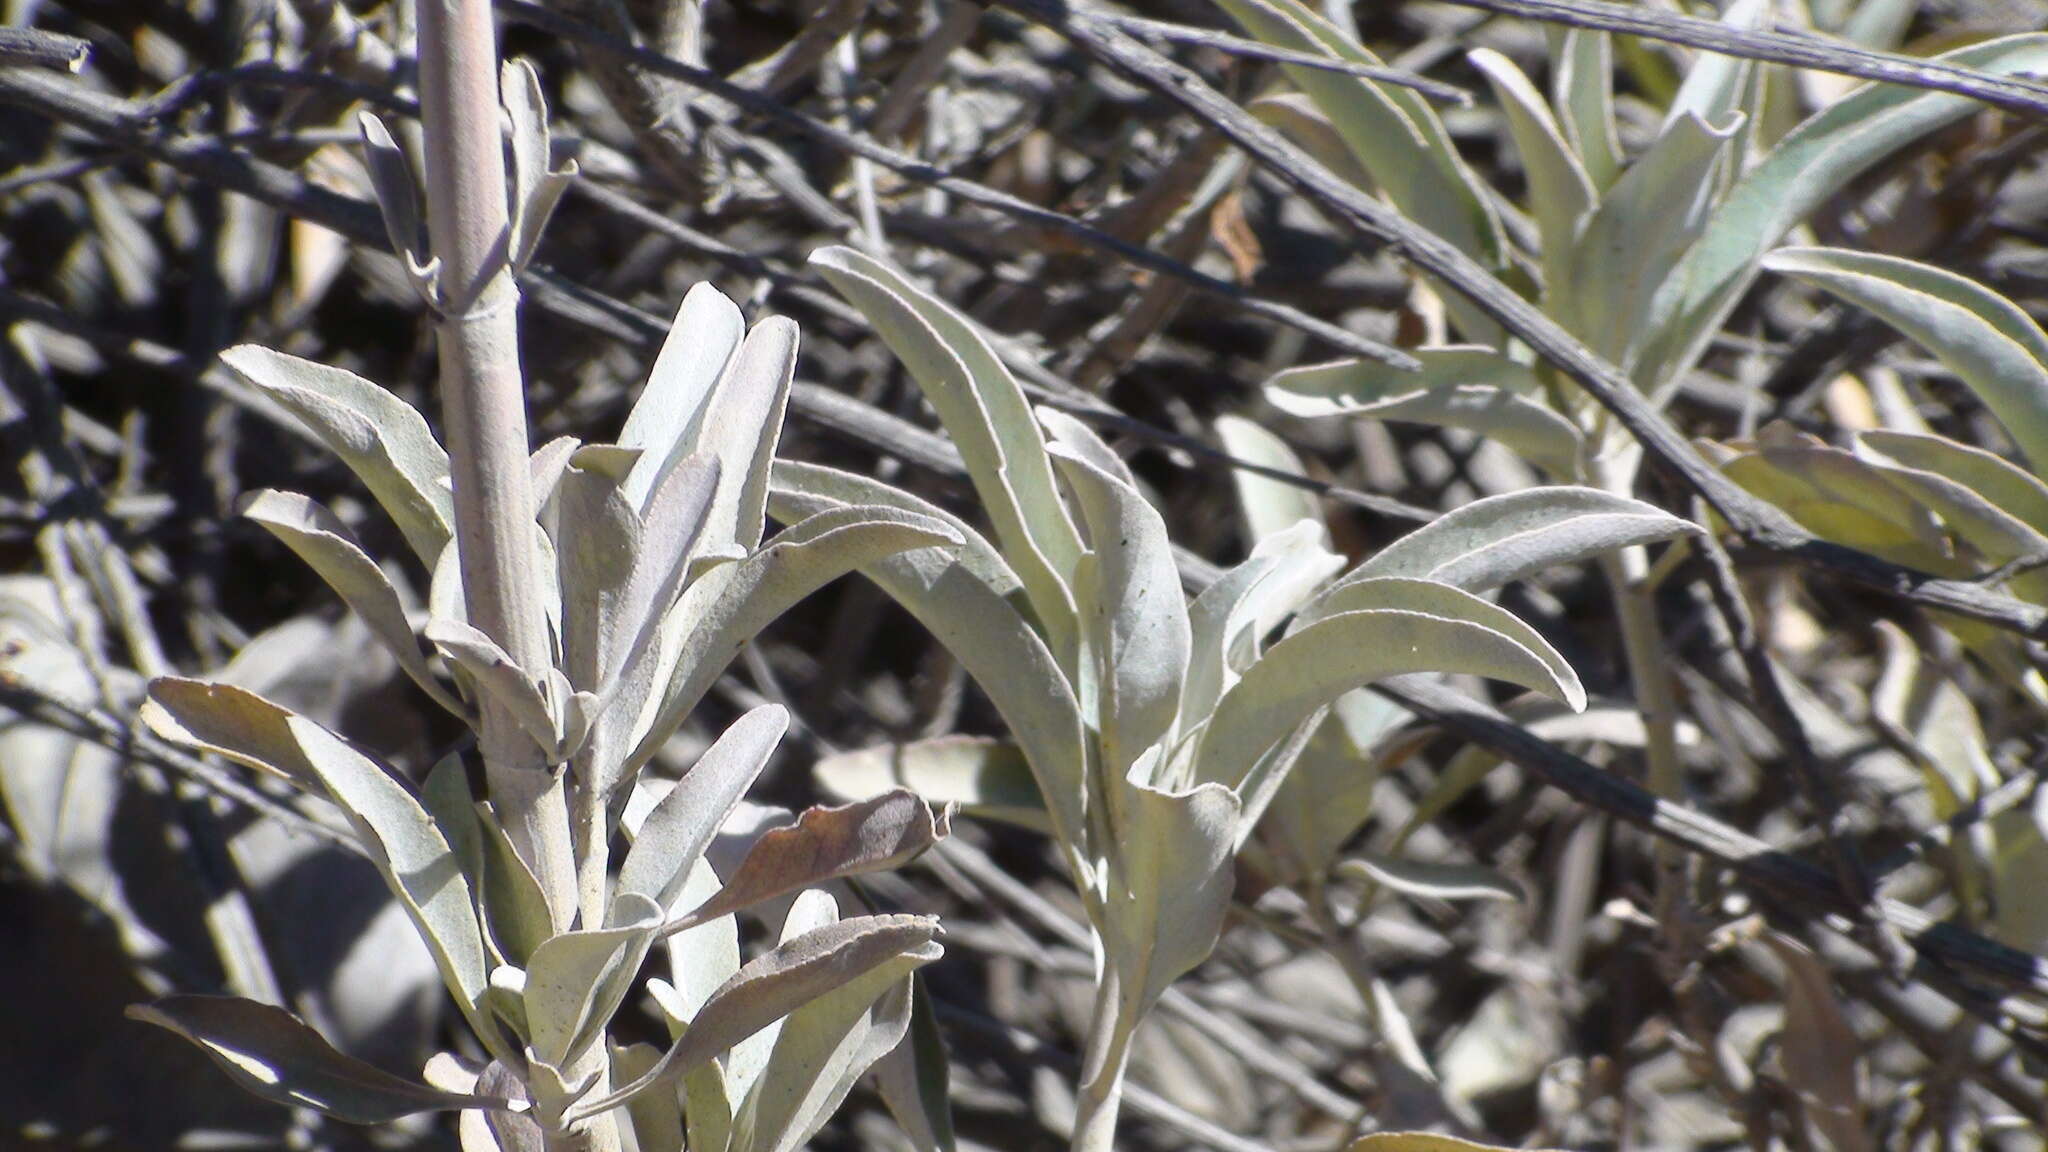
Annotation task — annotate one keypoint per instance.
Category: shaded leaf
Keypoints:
(576, 980)
(987, 779)
(915, 1078)
(1561, 194)
(229, 722)
(1177, 849)
(271, 1053)
(1269, 506)
(1436, 881)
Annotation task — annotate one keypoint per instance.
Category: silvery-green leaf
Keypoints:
(1987, 340)
(576, 980)
(803, 490)
(1010, 662)
(1231, 617)
(914, 1079)
(720, 613)
(1994, 535)
(1081, 441)
(1642, 227)
(707, 1109)
(230, 722)
(515, 906)
(319, 538)
(826, 844)
(544, 468)
(1301, 121)
(1561, 195)
(701, 958)
(1395, 135)
(748, 1061)
(446, 797)
(1810, 165)
(273, 1054)
(1140, 639)
(1436, 881)
(1336, 654)
(778, 982)
(1177, 849)
(1477, 389)
(418, 866)
(1992, 476)
(537, 185)
(381, 438)
(681, 826)
(706, 331)
(1500, 539)
(740, 426)
(1435, 598)
(985, 412)
(1320, 803)
(987, 779)
(1582, 88)
(498, 678)
(1717, 84)
(657, 1117)
(597, 535)
(1269, 506)
(675, 520)
(391, 178)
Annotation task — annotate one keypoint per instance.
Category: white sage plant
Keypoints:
(1155, 730)
(649, 560)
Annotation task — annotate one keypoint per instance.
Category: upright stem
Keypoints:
(1101, 1091)
(484, 408)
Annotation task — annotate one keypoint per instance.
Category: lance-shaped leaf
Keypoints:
(820, 1051)
(1176, 850)
(657, 1117)
(826, 844)
(1269, 506)
(1307, 670)
(1500, 539)
(1232, 616)
(987, 779)
(273, 1054)
(1434, 598)
(418, 866)
(576, 980)
(985, 412)
(382, 439)
(537, 185)
(803, 490)
(1394, 133)
(1301, 121)
(515, 906)
(506, 684)
(1987, 340)
(1138, 634)
(597, 535)
(1642, 227)
(915, 1078)
(1717, 84)
(391, 179)
(706, 331)
(1582, 88)
(1433, 880)
(1988, 474)
(719, 614)
(229, 722)
(1810, 165)
(326, 545)
(741, 424)
(779, 981)
(1477, 389)
(1561, 194)
(681, 826)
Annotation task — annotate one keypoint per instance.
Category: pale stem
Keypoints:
(1101, 1090)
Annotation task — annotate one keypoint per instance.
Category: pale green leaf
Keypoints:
(1301, 121)
(1991, 476)
(657, 1117)
(1987, 340)
(1808, 167)
(494, 674)
(229, 722)
(803, 490)
(1500, 539)
(1476, 389)
(576, 980)
(1434, 598)
(740, 426)
(1561, 194)
(986, 414)
(1138, 634)
(1582, 88)
(273, 1054)
(1177, 850)
(706, 332)
(515, 906)
(987, 779)
(1232, 616)
(1312, 667)
(381, 438)
(778, 982)
(722, 611)
(1268, 506)
(681, 826)
(915, 1078)
(1435, 881)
